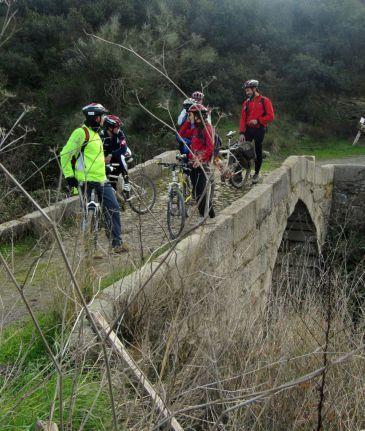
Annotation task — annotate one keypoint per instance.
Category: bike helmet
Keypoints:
(251, 83)
(187, 103)
(94, 110)
(198, 96)
(198, 108)
(112, 121)
(199, 111)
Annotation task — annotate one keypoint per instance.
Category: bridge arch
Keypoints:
(297, 254)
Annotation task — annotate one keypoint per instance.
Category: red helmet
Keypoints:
(198, 108)
(112, 121)
(198, 96)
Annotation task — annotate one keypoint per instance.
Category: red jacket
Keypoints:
(185, 129)
(202, 142)
(260, 109)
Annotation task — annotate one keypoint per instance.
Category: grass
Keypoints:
(284, 139)
(19, 247)
(28, 394)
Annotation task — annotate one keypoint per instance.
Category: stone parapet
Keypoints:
(34, 222)
(348, 203)
(235, 253)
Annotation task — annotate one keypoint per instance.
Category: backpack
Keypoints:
(82, 149)
(217, 144)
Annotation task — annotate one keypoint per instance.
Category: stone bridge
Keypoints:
(240, 253)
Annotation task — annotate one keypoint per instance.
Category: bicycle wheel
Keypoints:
(92, 227)
(176, 213)
(240, 173)
(142, 195)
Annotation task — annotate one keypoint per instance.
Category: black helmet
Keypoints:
(251, 83)
(93, 110)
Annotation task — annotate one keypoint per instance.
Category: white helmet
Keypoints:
(188, 102)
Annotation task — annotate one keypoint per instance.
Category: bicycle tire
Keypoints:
(93, 228)
(121, 200)
(240, 175)
(176, 213)
(142, 195)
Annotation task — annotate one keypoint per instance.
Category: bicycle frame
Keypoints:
(178, 180)
(92, 205)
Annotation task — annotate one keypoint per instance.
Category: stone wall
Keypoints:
(35, 222)
(348, 203)
(233, 256)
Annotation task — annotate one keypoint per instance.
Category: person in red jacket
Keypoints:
(201, 135)
(257, 112)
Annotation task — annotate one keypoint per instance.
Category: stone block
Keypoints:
(303, 163)
(167, 156)
(280, 179)
(244, 218)
(217, 240)
(255, 269)
(328, 174)
(150, 168)
(349, 173)
(262, 195)
(310, 173)
(293, 163)
(14, 229)
(310, 158)
(319, 193)
(245, 250)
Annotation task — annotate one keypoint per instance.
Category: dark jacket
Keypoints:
(115, 145)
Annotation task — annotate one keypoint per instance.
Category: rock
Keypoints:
(45, 426)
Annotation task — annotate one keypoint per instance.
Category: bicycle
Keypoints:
(180, 195)
(91, 213)
(240, 157)
(142, 194)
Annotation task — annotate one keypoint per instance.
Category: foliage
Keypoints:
(307, 55)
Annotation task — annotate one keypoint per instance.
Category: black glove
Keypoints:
(72, 182)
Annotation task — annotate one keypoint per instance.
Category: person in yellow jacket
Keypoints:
(82, 161)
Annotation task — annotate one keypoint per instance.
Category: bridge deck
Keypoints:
(47, 278)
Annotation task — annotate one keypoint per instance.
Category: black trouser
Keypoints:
(200, 189)
(257, 135)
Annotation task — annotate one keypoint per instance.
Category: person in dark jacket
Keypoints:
(115, 147)
(257, 112)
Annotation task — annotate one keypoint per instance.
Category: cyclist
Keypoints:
(200, 156)
(257, 112)
(115, 147)
(82, 161)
